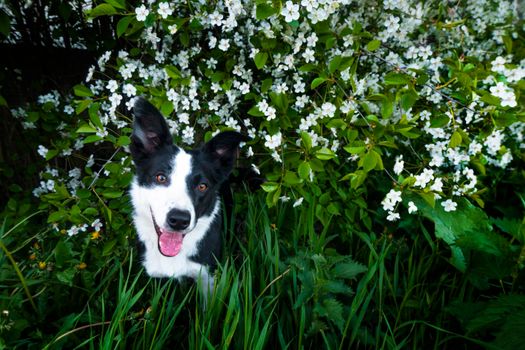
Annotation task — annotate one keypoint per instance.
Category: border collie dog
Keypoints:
(175, 197)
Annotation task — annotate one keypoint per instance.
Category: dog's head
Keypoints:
(174, 188)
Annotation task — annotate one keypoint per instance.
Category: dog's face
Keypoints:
(174, 188)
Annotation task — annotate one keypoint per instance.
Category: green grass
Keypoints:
(282, 283)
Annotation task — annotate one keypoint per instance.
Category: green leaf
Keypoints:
(369, 161)
(67, 276)
(63, 252)
(102, 10)
(254, 111)
(120, 4)
(317, 81)
(439, 121)
(394, 78)
(123, 25)
(266, 85)
(466, 228)
(173, 72)
(348, 270)
(57, 216)
(387, 108)
(82, 105)
(108, 247)
(325, 154)
(93, 115)
(112, 193)
(92, 138)
(260, 59)
(307, 67)
(5, 23)
(373, 45)
(270, 186)
(333, 311)
(408, 99)
(82, 91)
(280, 101)
(290, 178)
(455, 140)
(304, 170)
(123, 141)
(306, 140)
(334, 64)
(83, 129)
(428, 197)
(264, 11)
(52, 153)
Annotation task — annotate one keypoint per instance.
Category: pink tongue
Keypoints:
(170, 243)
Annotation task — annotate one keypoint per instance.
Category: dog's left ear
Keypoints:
(224, 148)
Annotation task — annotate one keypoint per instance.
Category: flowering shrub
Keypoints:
(363, 111)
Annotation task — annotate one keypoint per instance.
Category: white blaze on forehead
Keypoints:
(177, 195)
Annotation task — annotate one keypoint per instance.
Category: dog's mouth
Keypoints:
(170, 242)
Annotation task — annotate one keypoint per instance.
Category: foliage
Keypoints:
(386, 131)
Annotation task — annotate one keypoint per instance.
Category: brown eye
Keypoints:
(202, 187)
(161, 178)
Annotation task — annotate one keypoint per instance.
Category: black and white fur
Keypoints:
(175, 195)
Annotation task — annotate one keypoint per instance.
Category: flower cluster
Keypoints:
(312, 81)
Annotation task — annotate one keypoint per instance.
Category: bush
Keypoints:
(378, 118)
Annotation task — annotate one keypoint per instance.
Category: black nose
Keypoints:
(178, 220)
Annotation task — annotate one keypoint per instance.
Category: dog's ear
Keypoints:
(150, 131)
(223, 149)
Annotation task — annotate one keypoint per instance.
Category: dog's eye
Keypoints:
(161, 178)
(202, 187)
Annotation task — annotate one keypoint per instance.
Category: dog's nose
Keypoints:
(178, 220)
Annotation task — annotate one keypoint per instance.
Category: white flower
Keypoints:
(449, 205)
(256, 169)
(328, 109)
(411, 207)
(498, 65)
(437, 186)
(505, 93)
(142, 12)
(392, 24)
(270, 113)
(424, 178)
(184, 118)
(129, 90)
(290, 11)
(215, 19)
(112, 85)
(509, 100)
(97, 225)
(173, 29)
(308, 55)
(399, 165)
(393, 216)
(224, 44)
(312, 40)
(73, 231)
(42, 151)
(69, 110)
(298, 202)
(273, 141)
(392, 198)
(90, 162)
(187, 135)
(164, 10)
(263, 106)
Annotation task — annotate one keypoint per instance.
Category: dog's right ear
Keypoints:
(150, 131)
